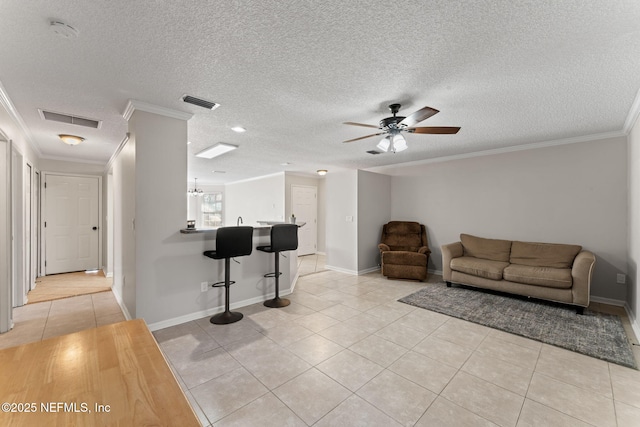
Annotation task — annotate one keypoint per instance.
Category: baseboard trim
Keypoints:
(211, 311)
(352, 272)
(635, 324)
(610, 301)
(120, 302)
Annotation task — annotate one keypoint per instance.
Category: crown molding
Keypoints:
(256, 178)
(632, 117)
(66, 159)
(115, 154)
(389, 169)
(134, 105)
(5, 101)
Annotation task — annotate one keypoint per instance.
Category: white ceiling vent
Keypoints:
(200, 102)
(72, 120)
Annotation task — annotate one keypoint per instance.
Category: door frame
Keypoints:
(6, 229)
(43, 235)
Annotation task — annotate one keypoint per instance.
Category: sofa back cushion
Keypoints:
(403, 236)
(492, 249)
(544, 254)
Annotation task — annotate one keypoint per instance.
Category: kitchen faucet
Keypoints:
(239, 221)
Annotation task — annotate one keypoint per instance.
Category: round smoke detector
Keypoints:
(63, 30)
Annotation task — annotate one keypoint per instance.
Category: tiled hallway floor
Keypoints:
(346, 353)
(42, 320)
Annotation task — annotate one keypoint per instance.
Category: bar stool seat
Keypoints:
(231, 242)
(284, 237)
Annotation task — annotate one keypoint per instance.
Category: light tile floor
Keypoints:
(346, 353)
(42, 320)
(309, 264)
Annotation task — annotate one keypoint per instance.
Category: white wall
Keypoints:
(342, 235)
(260, 199)
(573, 193)
(322, 215)
(124, 244)
(5, 236)
(374, 210)
(633, 295)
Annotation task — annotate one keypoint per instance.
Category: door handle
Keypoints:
(94, 228)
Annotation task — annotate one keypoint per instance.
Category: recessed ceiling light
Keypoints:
(219, 171)
(238, 129)
(216, 150)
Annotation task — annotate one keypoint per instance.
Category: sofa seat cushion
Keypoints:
(479, 267)
(541, 276)
(404, 258)
(491, 249)
(543, 254)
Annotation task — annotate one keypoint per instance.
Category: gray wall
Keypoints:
(260, 199)
(374, 210)
(633, 296)
(573, 193)
(342, 236)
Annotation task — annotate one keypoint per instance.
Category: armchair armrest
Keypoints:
(424, 250)
(581, 274)
(450, 251)
(383, 247)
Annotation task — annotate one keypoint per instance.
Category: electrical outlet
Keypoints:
(204, 286)
(621, 278)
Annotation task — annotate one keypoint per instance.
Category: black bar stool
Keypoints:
(231, 242)
(284, 237)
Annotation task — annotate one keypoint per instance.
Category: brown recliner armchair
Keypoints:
(404, 251)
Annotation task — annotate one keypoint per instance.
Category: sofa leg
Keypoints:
(448, 284)
(580, 310)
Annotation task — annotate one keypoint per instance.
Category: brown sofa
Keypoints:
(404, 251)
(553, 272)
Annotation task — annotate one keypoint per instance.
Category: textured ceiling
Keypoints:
(506, 72)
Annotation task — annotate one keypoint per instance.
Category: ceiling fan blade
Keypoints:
(420, 115)
(436, 130)
(363, 137)
(361, 124)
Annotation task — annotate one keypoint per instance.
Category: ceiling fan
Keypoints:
(394, 126)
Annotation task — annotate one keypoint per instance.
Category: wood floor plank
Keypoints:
(119, 365)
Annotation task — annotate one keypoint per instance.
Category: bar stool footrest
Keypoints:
(272, 274)
(222, 284)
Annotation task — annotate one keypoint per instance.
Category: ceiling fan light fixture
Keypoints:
(398, 143)
(384, 144)
(70, 139)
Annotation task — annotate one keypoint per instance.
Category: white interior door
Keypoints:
(71, 223)
(304, 205)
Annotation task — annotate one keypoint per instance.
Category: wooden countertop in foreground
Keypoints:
(114, 375)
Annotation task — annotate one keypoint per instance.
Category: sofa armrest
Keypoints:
(581, 275)
(450, 251)
(424, 250)
(383, 247)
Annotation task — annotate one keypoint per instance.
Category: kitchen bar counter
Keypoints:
(262, 225)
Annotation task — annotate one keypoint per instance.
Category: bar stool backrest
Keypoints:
(234, 241)
(284, 237)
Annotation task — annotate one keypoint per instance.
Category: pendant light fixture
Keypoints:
(195, 191)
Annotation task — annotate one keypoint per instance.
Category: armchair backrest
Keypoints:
(404, 236)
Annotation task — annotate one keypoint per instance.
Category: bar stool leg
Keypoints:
(277, 302)
(227, 316)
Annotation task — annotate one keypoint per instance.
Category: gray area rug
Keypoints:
(598, 335)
